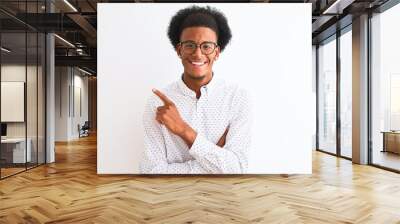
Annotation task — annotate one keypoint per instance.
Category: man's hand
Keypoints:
(222, 140)
(169, 116)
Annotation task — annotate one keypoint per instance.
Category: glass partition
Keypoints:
(385, 89)
(346, 94)
(13, 109)
(327, 96)
(32, 95)
(22, 77)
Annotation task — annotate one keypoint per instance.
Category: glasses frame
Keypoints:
(199, 45)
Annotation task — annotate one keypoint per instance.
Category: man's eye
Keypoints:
(190, 46)
(208, 46)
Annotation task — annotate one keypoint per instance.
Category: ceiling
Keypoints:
(76, 22)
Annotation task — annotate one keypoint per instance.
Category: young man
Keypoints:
(199, 124)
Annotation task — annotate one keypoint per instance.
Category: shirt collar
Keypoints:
(207, 89)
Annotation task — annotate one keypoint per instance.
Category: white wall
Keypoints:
(80, 84)
(68, 81)
(61, 103)
(314, 90)
(270, 55)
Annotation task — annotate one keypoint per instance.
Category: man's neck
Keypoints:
(196, 84)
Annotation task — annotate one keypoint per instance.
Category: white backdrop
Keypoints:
(270, 55)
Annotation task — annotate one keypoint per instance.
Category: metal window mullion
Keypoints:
(45, 88)
(0, 94)
(317, 95)
(73, 92)
(45, 93)
(69, 92)
(369, 89)
(37, 91)
(338, 98)
(26, 87)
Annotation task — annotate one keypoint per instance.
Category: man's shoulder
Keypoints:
(240, 98)
(233, 88)
(171, 88)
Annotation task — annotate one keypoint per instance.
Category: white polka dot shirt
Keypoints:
(220, 106)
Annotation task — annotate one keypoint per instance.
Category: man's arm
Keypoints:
(232, 158)
(155, 156)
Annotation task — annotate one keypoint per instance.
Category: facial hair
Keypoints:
(194, 77)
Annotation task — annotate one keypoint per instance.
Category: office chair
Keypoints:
(84, 130)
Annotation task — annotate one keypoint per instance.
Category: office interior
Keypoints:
(49, 80)
(32, 118)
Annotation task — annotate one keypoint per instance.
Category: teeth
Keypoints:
(197, 63)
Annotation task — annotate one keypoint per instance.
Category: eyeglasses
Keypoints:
(189, 47)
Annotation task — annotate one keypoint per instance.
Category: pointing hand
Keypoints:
(168, 115)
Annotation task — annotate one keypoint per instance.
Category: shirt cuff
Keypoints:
(200, 146)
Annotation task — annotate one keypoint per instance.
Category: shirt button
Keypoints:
(203, 89)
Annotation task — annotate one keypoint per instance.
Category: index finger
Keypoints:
(226, 131)
(163, 97)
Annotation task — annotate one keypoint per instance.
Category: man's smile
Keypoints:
(197, 63)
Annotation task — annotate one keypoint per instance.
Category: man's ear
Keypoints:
(217, 51)
(178, 50)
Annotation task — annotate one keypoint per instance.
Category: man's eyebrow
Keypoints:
(206, 41)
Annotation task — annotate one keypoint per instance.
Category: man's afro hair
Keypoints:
(196, 16)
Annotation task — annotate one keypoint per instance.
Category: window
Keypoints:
(346, 93)
(327, 96)
(385, 89)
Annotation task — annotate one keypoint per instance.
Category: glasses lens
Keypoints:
(207, 47)
(189, 47)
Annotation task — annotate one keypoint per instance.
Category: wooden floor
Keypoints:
(5, 172)
(8, 171)
(70, 191)
(387, 159)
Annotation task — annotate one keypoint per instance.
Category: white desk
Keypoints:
(19, 155)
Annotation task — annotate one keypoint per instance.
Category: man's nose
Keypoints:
(197, 52)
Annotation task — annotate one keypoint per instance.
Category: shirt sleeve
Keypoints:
(233, 157)
(154, 159)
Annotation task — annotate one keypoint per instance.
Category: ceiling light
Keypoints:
(65, 41)
(5, 50)
(338, 6)
(84, 71)
(329, 9)
(70, 5)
